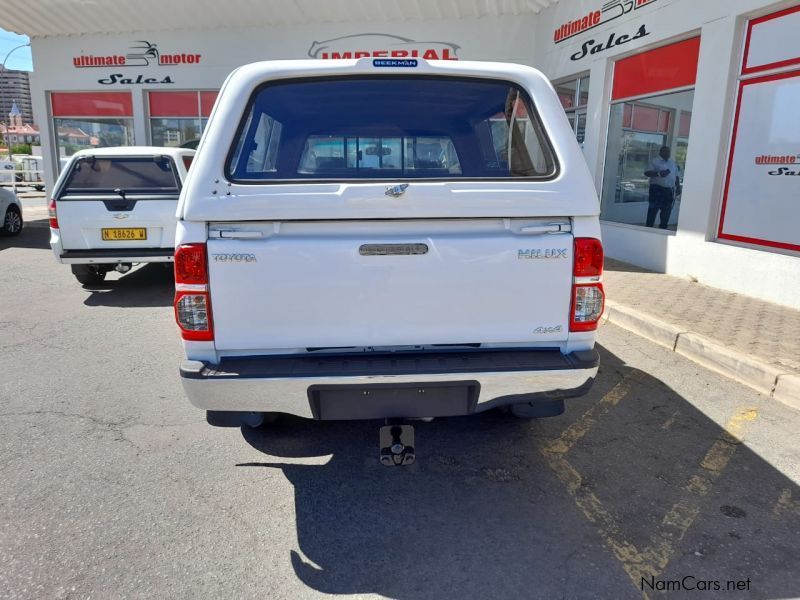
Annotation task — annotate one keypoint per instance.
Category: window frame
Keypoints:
(64, 189)
(577, 109)
(202, 119)
(670, 136)
(530, 106)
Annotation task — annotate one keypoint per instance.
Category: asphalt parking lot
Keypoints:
(114, 486)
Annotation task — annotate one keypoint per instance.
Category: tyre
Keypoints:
(12, 222)
(88, 274)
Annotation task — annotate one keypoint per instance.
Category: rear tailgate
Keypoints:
(107, 221)
(435, 206)
(403, 282)
(118, 202)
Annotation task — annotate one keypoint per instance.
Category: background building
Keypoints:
(15, 87)
(16, 131)
(716, 81)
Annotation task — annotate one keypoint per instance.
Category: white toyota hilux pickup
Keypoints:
(387, 239)
(113, 207)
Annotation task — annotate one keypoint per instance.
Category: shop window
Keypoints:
(178, 118)
(759, 204)
(574, 96)
(83, 120)
(648, 136)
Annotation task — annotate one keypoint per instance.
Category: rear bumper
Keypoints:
(122, 255)
(424, 384)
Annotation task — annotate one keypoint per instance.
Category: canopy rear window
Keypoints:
(390, 127)
(141, 175)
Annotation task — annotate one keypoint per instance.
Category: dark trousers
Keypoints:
(661, 200)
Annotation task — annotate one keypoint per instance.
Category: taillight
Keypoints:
(51, 213)
(192, 300)
(588, 297)
(588, 258)
(587, 306)
(191, 266)
(193, 315)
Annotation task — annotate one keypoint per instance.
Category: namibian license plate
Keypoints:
(130, 233)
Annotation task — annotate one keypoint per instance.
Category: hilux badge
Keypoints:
(541, 253)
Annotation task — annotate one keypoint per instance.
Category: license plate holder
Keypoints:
(123, 234)
(381, 400)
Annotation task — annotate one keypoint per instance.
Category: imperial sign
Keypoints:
(380, 45)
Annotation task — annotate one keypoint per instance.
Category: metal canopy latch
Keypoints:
(396, 190)
(235, 234)
(547, 228)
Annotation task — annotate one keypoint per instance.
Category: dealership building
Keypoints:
(717, 82)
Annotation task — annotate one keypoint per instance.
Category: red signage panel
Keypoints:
(207, 100)
(657, 70)
(173, 104)
(91, 104)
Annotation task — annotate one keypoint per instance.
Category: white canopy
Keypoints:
(76, 17)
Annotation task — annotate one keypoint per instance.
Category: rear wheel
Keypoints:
(12, 222)
(89, 274)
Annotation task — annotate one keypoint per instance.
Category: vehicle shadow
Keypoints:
(611, 264)
(148, 285)
(34, 234)
(487, 512)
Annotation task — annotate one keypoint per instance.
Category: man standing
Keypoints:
(663, 174)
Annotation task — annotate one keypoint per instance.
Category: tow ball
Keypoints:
(397, 445)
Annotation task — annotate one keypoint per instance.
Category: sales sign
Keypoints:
(762, 194)
(761, 203)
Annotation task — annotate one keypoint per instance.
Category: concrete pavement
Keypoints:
(752, 341)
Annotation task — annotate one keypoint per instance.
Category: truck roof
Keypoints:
(569, 191)
(136, 151)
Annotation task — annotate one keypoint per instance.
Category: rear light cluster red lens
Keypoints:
(192, 300)
(588, 258)
(51, 213)
(191, 265)
(588, 297)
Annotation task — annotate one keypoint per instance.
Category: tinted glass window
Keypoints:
(390, 127)
(142, 175)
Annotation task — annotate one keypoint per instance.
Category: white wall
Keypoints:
(508, 39)
(692, 251)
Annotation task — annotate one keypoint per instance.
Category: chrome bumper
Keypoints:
(363, 386)
(103, 256)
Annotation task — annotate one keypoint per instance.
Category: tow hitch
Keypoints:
(397, 445)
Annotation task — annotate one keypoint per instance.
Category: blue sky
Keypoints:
(21, 59)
